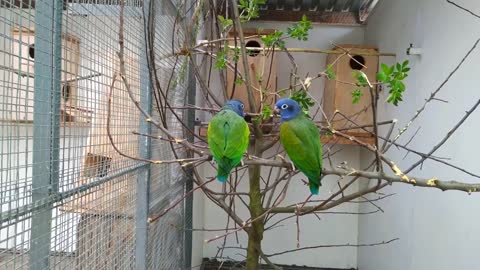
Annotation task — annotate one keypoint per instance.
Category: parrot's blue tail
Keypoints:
(222, 178)
(223, 172)
(225, 165)
(314, 186)
(314, 189)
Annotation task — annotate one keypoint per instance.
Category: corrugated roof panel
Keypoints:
(346, 12)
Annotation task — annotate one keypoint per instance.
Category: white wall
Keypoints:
(437, 230)
(332, 229)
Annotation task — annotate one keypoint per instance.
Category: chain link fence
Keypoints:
(71, 196)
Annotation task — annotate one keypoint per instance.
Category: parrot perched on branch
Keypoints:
(228, 137)
(300, 138)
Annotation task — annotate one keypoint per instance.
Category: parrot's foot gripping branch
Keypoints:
(286, 161)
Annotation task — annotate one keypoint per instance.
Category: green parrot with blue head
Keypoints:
(228, 137)
(300, 138)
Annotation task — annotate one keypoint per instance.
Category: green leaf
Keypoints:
(397, 88)
(303, 99)
(385, 69)
(224, 22)
(228, 22)
(394, 99)
(391, 69)
(274, 39)
(249, 9)
(361, 78)
(329, 72)
(236, 54)
(390, 98)
(238, 81)
(300, 29)
(266, 112)
(356, 95)
(393, 77)
(221, 61)
(381, 76)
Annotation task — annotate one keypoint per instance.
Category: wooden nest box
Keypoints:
(22, 60)
(338, 92)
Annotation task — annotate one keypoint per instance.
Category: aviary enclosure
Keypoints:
(104, 109)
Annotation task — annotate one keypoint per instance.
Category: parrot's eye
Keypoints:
(242, 106)
(284, 106)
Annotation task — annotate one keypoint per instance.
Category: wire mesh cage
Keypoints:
(71, 195)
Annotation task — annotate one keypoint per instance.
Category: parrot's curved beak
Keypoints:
(276, 110)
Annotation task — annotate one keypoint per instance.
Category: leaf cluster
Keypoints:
(299, 30)
(303, 99)
(393, 77)
(361, 80)
(357, 94)
(330, 74)
(224, 55)
(249, 9)
(225, 23)
(275, 39)
(266, 112)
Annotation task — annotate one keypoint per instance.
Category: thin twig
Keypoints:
(464, 9)
(333, 246)
(449, 134)
(434, 93)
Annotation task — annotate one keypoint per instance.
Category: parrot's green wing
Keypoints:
(228, 138)
(301, 140)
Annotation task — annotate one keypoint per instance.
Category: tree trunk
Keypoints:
(255, 233)
(253, 249)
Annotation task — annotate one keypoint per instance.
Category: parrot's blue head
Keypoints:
(236, 106)
(288, 108)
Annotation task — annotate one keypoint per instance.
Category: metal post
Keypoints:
(143, 179)
(189, 176)
(191, 93)
(46, 125)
